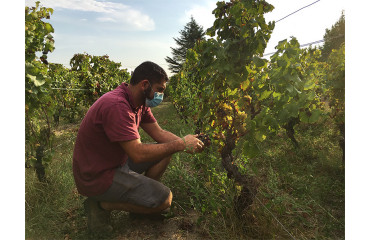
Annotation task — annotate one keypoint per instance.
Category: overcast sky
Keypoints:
(133, 31)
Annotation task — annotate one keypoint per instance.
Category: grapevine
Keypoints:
(240, 98)
(38, 105)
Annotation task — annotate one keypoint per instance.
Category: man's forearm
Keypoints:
(155, 152)
(140, 152)
(166, 136)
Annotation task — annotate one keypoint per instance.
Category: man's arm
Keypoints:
(157, 133)
(140, 152)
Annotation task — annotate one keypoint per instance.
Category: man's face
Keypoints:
(156, 87)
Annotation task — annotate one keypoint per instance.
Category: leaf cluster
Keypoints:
(38, 38)
(97, 74)
(238, 96)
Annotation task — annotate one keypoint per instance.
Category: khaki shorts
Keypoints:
(129, 185)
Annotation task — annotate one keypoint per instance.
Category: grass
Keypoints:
(300, 194)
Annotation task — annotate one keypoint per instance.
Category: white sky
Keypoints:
(307, 25)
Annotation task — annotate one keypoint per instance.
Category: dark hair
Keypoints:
(150, 71)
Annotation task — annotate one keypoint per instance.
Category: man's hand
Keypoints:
(193, 144)
(205, 139)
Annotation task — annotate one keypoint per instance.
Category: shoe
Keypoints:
(98, 219)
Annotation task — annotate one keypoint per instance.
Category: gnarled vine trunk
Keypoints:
(249, 184)
(39, 167)
(289, 127)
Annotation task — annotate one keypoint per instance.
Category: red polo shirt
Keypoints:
(97, 152)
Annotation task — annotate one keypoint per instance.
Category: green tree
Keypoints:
(191, 33)
(334, 38)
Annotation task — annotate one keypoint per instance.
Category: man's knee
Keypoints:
(167, 203)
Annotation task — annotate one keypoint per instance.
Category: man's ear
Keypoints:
(144, 84)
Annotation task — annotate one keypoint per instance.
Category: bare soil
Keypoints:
(182, 226)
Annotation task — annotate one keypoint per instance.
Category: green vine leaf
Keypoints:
(315, 115)
(265, 94)
(36, 80)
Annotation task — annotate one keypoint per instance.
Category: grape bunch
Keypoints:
(205, 139)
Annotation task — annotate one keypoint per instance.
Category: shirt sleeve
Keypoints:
(148, 116)
(119, 123)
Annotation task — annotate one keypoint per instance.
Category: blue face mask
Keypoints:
(158, 97)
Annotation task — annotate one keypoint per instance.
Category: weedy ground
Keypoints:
(300, 194)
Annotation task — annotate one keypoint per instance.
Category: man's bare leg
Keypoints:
(129, 207)
(156, 171)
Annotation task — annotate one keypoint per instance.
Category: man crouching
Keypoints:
(111, 166)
